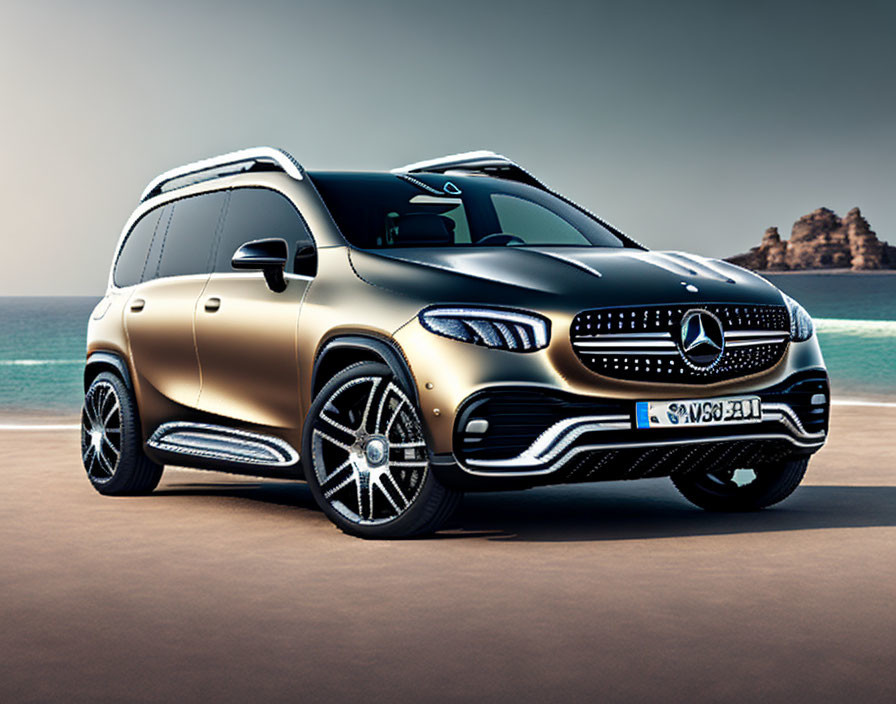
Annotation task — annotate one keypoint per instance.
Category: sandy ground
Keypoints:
(223, 589)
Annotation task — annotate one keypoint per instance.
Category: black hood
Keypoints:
(559, 278)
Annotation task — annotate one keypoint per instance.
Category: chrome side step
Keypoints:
(218, 442)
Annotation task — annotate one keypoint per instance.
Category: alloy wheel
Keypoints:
(369, 451)
(101, 431)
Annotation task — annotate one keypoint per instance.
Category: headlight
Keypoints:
(499, 329)
(801, 326)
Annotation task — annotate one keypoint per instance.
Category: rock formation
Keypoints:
(821, 240)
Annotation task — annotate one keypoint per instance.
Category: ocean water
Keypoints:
(43, 340)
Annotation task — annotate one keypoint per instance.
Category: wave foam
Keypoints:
(37, 362)
(866, 328)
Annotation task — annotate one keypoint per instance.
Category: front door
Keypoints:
(246, 333)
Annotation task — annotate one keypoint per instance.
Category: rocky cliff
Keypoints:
(821, 240)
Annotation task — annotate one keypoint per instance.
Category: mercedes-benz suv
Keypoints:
(398, 338)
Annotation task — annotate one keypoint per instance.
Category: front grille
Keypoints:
(642, 343)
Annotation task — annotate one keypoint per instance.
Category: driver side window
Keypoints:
(255, 213)
(533, 223)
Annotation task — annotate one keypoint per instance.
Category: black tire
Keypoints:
(366, 458)
(111, 442)
(719, 490)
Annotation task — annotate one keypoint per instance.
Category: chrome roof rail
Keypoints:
(481, 161)
(464, 160)
(278, 157)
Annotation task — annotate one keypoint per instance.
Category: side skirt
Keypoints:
(220, 448)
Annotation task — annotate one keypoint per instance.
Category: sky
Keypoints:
(690, 126)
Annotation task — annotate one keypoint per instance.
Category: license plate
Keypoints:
(696, 412)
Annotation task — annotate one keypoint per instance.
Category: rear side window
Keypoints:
(254, 214)
(132, 258)
(187, 246)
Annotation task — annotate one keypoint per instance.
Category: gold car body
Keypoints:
(250, 363)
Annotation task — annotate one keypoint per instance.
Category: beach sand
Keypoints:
(218, 588)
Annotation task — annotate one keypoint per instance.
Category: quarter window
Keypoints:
(132, 258)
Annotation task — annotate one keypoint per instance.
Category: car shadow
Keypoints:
(639, 510)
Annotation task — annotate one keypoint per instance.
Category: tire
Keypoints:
(111, 442)
(724, 490)
(363, 480)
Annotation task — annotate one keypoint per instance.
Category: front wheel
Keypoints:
(366, 458)
(741, 489)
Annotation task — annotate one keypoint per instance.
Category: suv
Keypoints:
(397, 338)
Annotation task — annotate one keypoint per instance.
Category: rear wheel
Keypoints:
(111, 446)
(366, 457)
(741, 489)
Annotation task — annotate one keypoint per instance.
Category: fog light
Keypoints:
(477, 426)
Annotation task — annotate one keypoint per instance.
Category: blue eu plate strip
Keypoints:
(641, 419)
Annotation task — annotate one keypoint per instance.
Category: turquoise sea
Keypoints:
(43, 340)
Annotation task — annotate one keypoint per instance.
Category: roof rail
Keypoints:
(278, 157)
(481, 161)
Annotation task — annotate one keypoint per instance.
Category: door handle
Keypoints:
(137, 305)
(212, 304)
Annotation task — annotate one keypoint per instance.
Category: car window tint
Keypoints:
(533, 223)
(187, 246)
(132, 258)
(259, 213)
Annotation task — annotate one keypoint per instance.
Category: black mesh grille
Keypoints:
(669, 365)
(638, 463)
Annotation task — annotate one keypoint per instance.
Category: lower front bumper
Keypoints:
(553, 437)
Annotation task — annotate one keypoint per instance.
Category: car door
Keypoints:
(245, 332)
(159, 314)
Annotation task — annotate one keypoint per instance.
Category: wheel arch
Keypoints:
(340, 352)
(98, 362)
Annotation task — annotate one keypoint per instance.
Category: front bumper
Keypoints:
(553, 437)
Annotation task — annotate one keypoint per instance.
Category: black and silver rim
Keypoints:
(369, 452)
(101, 432)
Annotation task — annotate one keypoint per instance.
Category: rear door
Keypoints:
(246, 333)
(159, 315)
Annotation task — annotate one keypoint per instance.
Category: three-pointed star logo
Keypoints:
(702, 339)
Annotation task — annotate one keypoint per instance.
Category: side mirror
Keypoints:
(305, 260)
(268, 256)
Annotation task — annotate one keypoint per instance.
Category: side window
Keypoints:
(533, 223)
(187, 247)
(256, 213)
(132, 258)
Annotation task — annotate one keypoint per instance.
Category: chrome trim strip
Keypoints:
(664, 344)
(626, 445)
(219, 442)
(627, 335)
(282, 158)
(558, 437)
(735, 334)
(755, 342)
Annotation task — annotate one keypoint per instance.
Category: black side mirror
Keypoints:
(269, 256)
(305, 260)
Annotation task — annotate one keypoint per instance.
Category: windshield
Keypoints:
(379, 211)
